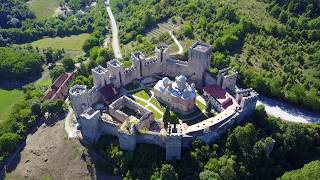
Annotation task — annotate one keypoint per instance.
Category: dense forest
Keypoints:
(276, 54)
(13, 12)
(309, 171)
(29, 29)
(242, 153)
(20, 63)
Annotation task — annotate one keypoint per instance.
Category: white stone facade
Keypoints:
(178, 94)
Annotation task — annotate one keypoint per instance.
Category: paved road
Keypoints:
(287, 112)
(114, 28)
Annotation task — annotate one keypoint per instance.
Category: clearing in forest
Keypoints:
(8, 99)
(44, 8)
(71, 44)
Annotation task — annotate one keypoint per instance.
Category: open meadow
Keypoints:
(71, 44)
(44, 8)
(8, 99)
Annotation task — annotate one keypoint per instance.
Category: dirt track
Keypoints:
(49, 154)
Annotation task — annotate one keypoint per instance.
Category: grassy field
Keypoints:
(157, 115)
(8, 99)
(142, 94)
(43, 8)
(72, 44)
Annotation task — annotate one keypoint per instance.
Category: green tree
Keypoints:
(187, 30)
(309, 171)
(208, 175)
(56, 72)
(167, 172)
(53, 107)
(9, 142)
(68, 64)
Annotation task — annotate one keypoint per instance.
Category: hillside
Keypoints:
(309, 171)
(273, 44)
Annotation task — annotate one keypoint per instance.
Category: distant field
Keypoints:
(8, 99)
(43, 8)
(72, 44)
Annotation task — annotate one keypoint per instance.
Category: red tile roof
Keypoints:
(216, 91)
(60, 87)
(221, 95)
(59, 81)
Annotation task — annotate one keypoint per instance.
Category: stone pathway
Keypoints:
(148, 104)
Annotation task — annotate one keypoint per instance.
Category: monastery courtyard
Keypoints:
(143, 94)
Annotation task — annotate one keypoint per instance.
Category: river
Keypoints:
(287, 112)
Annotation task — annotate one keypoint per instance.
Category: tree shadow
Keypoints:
(10, 84)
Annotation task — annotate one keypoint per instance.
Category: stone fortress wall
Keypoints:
(176, 136)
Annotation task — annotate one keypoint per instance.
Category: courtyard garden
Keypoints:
(146, 99)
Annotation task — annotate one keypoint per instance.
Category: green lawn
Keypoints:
(155, 102)
(71, 44)
(44, 83)
(200, 105)
(157, 115)
(7, 100)
(142, 94)
(43, 8)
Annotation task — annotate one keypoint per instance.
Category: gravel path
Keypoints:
(177, 42)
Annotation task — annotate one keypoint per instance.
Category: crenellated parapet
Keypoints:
(79, 98)
(174, 141)
(227, 79)
(247, 99)
(100, 76)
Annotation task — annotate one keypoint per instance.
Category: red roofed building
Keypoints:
(219, 97)
(60, 88)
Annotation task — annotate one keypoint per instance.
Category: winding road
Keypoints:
(287, 112)
(114, 28)
(180, 51)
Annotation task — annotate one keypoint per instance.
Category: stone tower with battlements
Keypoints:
(79, 98)
(199, 61)
(137, 60)
(247, 99)
(227, 79)
(173, 141)
(89, 121)
(115, 68)
(161, 52)
(100, 76)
